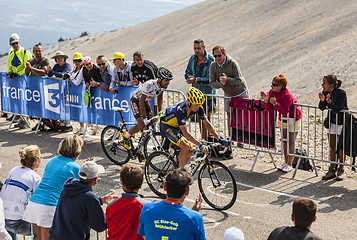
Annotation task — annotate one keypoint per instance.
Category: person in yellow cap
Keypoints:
(76, 74)
(16, 61)
(122, 74)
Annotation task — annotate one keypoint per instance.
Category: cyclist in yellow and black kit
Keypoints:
(173, 125)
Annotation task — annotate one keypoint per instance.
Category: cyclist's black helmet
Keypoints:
(164, 73)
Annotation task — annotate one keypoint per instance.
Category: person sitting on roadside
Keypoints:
(37, 66)
(334, 98)
(142, 69)
(169, 218)
(79, 209)
(139, 103)
(18, 188)
(303, 215)
(173, 125)
(282, 100)
(42, 204)
(106, 73)
(123, 214)
(17, 59)
(122, 75)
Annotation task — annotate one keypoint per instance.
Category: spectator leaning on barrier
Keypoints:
(303, 215)
(142, 69)
(18, 188)
(42, 204)
(76, 74)
(122, 75)
(79, 209)
(61, 67)
(334, 98)
(281, 99)
(16, 61)
(169, 218)
(106, 73)
(37, 66)
(90, 71)
(197, 74)
(225, 73)
(123, 214)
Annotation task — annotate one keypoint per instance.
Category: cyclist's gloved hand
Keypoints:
(204, 148)
(225, 142)
(146, 121)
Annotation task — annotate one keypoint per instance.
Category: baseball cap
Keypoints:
(87, 60)
(233, 233)
(118, 55)
(90, 170)
(14, 38)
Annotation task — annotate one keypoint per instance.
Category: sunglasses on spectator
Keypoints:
(15, 43)
(274, 84)
(100, 64)
(216, 56)
(77, 60)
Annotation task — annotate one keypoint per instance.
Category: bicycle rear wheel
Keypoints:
(155, 170)
(217, 185)
(113, 145)
(152, 144)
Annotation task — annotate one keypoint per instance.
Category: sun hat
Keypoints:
(59, 54)
(87, 60)
(118, 55)
(233, 233)
(14, 38)
(77, 56)
(90, 170)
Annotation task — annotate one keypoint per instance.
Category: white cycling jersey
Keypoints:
(150, 88)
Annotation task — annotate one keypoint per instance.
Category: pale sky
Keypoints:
(46, 21)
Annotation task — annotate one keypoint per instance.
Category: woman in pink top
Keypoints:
(282, 100)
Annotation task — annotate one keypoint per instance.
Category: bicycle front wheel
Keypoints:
(155, 170)
(113, 145)
(217, 185)
(152, 144)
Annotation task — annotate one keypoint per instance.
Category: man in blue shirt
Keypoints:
(170, 219)
(197, 74)
(106, 72)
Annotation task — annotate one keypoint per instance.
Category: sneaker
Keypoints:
(68, 129)
(22, 124)
(287, 168)
(330, 174)
(93, 130)
(80, 131)
(127, 142)
(340, 172)
(281, 166)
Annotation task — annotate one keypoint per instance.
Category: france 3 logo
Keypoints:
(52, 97)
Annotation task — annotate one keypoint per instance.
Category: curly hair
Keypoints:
(281, 80)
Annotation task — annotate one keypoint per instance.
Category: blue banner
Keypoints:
(60, 99)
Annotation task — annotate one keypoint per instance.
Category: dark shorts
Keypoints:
(174, 134)
(134, 104)
(209, 105)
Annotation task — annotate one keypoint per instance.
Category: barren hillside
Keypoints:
(303, 39)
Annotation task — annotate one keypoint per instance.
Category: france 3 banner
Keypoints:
(252, 123)
(60, 99)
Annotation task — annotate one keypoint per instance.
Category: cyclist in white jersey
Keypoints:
(139, 102)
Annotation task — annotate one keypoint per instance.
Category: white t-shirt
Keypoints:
(149, 88)
(76, 77)
(123, 76)
(15, 198)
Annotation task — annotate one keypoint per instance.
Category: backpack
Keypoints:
(304, 163)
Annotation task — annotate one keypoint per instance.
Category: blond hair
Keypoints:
(29, 155)
(71, 146)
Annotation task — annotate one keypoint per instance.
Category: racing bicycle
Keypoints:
(113, 144)
(215, 181)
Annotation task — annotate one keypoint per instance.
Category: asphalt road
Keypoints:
(264, 199)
